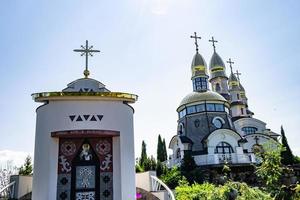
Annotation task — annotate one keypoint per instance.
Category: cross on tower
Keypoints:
(213, 42)
(230, 64)
(238, 74)
(86, 51)
(196, 40)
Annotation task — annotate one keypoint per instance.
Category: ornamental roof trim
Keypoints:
(109, 96)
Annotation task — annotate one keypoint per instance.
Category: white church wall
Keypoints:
(259, 139)
(249, 122)
(222, 135)
(55, 117)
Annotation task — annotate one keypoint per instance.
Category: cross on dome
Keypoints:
(213, 42)
(196, 40)
(230, 64)
(86, 51)
(238, 74)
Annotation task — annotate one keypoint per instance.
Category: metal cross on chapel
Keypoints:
(230, 64)
(213, 42)
(196, 40)
(237, 73)
(86, 51)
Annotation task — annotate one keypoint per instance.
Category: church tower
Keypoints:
(243, 95)
(199, 70)
(84, 142)
(218, 78)
(238, 107)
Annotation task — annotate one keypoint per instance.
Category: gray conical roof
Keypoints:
(232, 77)
(198, 60)
(233, 83)
(216, 66)
(241, 87)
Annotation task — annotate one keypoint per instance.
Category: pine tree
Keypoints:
(165, 150)
(159, 152)
(286, 155)
(144, 156)
(26, 169)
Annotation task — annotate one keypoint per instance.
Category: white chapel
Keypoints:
(84, 143)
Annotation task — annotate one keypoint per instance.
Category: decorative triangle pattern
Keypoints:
(72, 117)
(86, 117)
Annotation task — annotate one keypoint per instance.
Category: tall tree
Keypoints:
(286, 155)
(165, 150)
(144, 156)
(160, 150)
(26, 169)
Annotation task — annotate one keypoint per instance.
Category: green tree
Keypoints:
(270, 170)
(188, 163)
(144, 156)
(172, 177)
(165, 150)
(160, 150)
(26, 169)
(286, 155)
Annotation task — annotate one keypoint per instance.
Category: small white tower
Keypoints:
(84, 144)
(237, 106)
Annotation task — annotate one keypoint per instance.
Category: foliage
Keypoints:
(144, 156)
(26, 169)
(172, 177)
(160, 169)
(161, 149)
(188, 163)
(138, 168)
(286, 155)
(270, 170)
(165, 150)
(208, 191)
(296, 160)
(159, 152)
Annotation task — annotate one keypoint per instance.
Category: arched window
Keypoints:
(223, 148)
(218, 87)
(249, 130)
(181, 129)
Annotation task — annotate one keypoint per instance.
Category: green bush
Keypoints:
(231, 190)
(172, 177)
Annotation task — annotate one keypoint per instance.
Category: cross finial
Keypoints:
(213, 42)
(196, 40)
(230, 64)
(237, 73)
(86, 51)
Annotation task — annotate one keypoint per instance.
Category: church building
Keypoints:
(216, 125)
(84, 142)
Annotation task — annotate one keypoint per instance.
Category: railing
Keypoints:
(156, 184)
(8, 191)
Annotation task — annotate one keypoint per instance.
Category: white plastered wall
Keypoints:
(55, 117)
(223, 135)
(249, 122)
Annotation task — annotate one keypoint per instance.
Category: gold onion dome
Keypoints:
(233, 82)
(216, 66)
(201, 96)
(199, 66)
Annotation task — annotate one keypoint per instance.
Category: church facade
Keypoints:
(216, 125)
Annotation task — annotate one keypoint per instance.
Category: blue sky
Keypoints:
(146, 50)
